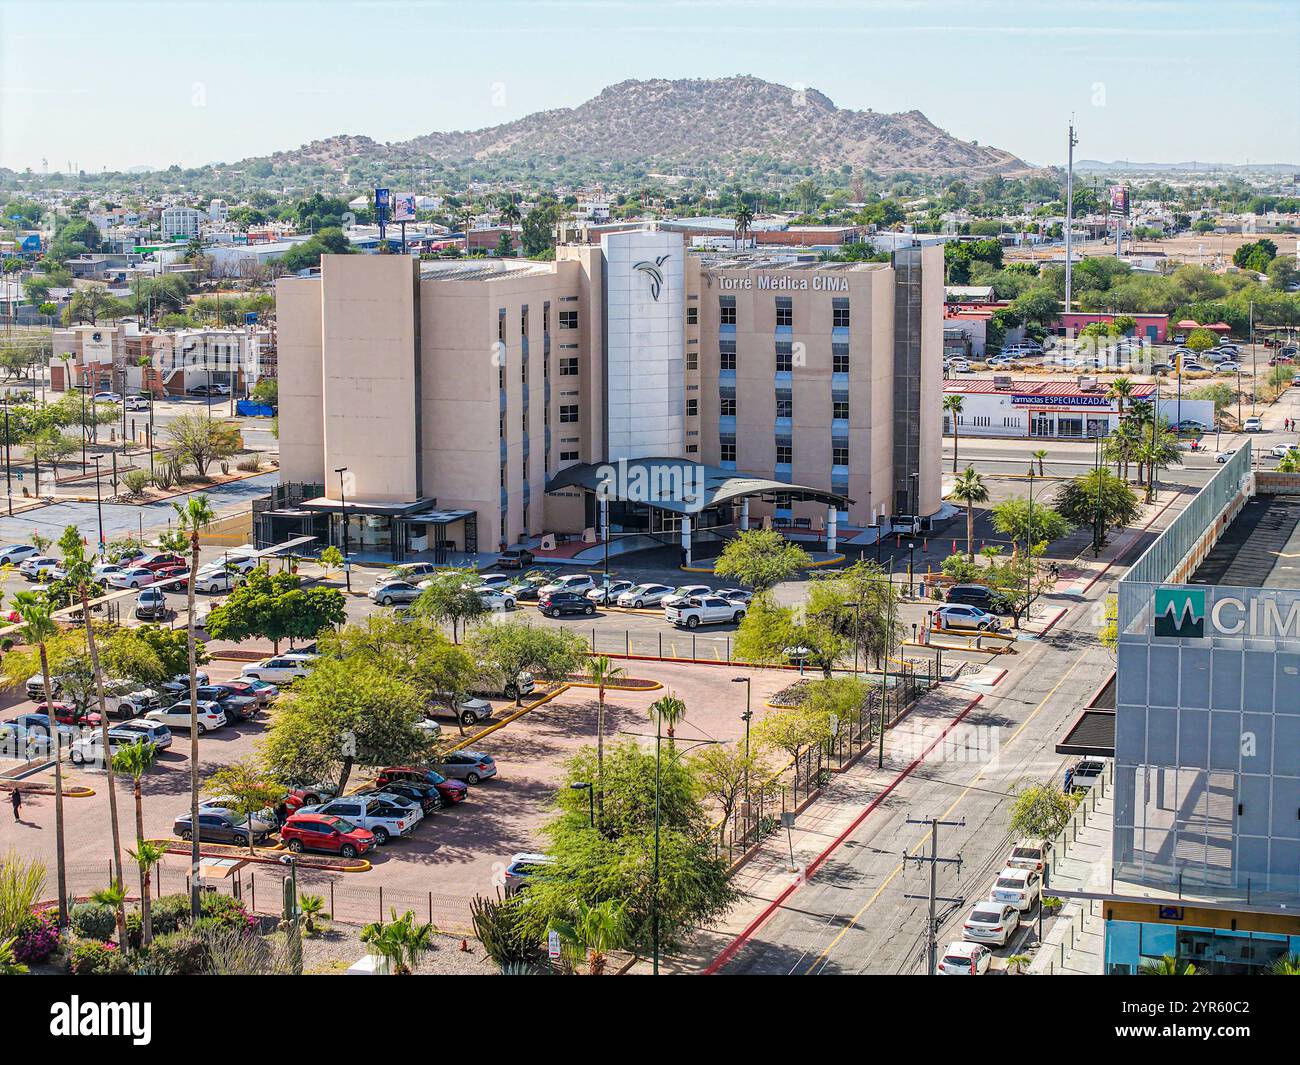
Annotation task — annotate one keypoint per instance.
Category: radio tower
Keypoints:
(1069, 214)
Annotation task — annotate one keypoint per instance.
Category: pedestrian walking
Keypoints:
(16, 801)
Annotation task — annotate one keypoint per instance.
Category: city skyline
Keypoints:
(1147, 80)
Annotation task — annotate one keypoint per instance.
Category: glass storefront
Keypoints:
(1215, 951)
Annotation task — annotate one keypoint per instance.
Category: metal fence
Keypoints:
(807, 774)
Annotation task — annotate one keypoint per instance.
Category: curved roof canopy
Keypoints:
(679, 485)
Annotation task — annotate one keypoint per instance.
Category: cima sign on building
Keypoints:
(1181, 613)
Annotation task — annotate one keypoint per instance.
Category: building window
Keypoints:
(727, 406)
(692, 449)
(523, 322)
(546, 317)
(840, 408)
(727, 310)
(727, 360)
(840, 363)
(569, 366)
(692, 316)
(784, 454)
(692, 407)
(523, 419)
(501, 426)
(692, 360)
(727, 452)
(839, 456)
(784, 357)
(840, 312)
(784, 405)
(568, 413)
(568, 319)
(784, 311)
(501, 325)
(503, 475)
(568, 456)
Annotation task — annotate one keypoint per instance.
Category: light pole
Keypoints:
(99, 508)
(585, 785)
(1029, 536)
(343, 510)
(746, 717)
(884, 670)
(9, 488)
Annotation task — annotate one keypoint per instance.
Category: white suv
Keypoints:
(1019, 887)
(280, 669)
(580, 583)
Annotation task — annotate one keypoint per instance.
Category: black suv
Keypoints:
(977, 595)
(557, 603)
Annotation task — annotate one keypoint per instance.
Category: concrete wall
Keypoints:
(302, 414)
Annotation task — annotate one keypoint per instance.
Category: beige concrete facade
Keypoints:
(473, 382)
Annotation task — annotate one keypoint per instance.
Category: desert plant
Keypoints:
(135, 482)
(497, 926)
(90, 957)
(21, 884)
(312, 908)
(36, 937)
(400, 940)
(92, 920)
(9, 963)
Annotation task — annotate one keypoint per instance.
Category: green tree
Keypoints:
(1200, 340)
(860, 606)
(968, 490)
(1168, 965)
(505, 652)
(794, 730)
(449, 598)
(724, 773)
(402, 940)
(952, 405)
(593, 931)
(276, 607)
(761, 559)
(247, 788)
(201, 441)
(1100, 499)
(1039, 811)
(1014, 519)
(601, 672)
(134, 761)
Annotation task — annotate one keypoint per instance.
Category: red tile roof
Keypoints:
(1029, 387)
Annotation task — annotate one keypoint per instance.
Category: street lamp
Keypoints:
(99, 508)
(746, 717)
(1029, 551)
(585, 785)
(343, 509)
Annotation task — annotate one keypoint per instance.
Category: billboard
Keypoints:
(382, 197)
(1119, 200)
(403, 207)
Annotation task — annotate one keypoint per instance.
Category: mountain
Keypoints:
(729, 122)
(1197, 167)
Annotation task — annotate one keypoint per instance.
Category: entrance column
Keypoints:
(832, 517)
(686, 539)
(744, 513)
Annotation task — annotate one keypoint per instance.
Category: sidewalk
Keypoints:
(769, 877)
(1080, 573)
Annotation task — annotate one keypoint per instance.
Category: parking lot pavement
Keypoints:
(459, 852)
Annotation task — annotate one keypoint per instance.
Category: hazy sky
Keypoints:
(100, 83)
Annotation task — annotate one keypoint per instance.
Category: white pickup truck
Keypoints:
(704, 610)
(382, 815)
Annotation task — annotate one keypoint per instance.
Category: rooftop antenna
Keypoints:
(1069, 214)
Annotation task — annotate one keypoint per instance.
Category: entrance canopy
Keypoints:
(680, 485)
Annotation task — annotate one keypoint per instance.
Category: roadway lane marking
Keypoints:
(921, 842)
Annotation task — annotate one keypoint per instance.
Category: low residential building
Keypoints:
(1153, 328)
(182, 223)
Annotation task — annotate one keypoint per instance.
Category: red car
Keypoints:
(157, 562)
(452, 791)
(170, 570)
(67, 715)
(325, 832)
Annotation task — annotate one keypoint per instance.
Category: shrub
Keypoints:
(182, 953)
(136, 481)
(170, 913)
(92, 920)
(223, 911)
(36, 937)
(249, 464)
(90, 957)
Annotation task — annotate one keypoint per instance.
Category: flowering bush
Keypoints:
(36, 937)
(90, 957)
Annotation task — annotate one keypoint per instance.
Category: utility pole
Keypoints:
(932, 931)
(1069, 214)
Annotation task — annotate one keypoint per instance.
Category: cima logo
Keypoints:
(655, 272)
(1180, 612)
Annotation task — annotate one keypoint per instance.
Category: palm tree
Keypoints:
(1121, 390)
(134, 761)
(594, 932)
(39, 627)
(744, 218)
(601, 671)
(1290, 462)
(1039, 455)
(1167, 966)
(312, 908)
(191, 517)
(1288, 965)
(401, 940)
(113, 896)
(670, 710)
(970, 489)
(146, 855)
(1121, 446)
(952, 407)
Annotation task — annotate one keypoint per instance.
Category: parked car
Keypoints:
(469, 766)
(137, 403)
(553, 604)
(106, 397)
(17, 742)
(425, 795)
(515, 558)
(215, 582)
(35, 686)
(1083, 774)
(280, 669)
(36, 567)
(1228, 366)
(158, 561)
(577, 583)
(1280, 451)
(411, 572)
(264, 693)
(210, 716)
(607, 594)
(451, 791)
(128, 704)
(496, 581)
(991, 922)
(699, 610)
(173, 573)
(976, 595)
(1190, 425)
(468, 711)
(394, 592)
(522, 868)
(64, 714)
(222, 827)
(644, 595)
(12, 554)
(324, 832)
(179, 685)
(735, 595)
(1020, 888)
(381, 818)
(134, 577)
(1223, 456)
(683, 592)
(528, 588)
(1253, 425)
(957, 366)
(151, 605)
(961, 616)
(504, 687)
(964, 959)
(151, 731)
(496, 600)
(1031, 854)
(998, 361)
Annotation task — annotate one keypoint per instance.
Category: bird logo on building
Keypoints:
(655, 272)
(1180, 612)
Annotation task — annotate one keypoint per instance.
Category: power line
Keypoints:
(934, 861)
